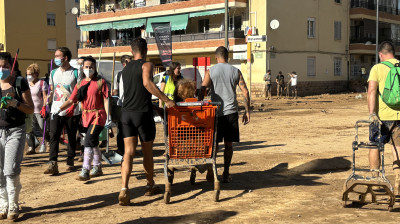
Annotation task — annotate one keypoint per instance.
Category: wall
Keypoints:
(30, 35)
(72, 31)
(2, 25)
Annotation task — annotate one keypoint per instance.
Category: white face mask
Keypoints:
(88, 72)
(30, 78)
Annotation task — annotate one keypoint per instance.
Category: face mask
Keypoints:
(57, 61)
(4, 73)
(88, 72)
(29, 77)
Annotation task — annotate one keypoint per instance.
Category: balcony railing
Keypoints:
(371, 4)
(175, 38)
(122, 6)
(369, 41)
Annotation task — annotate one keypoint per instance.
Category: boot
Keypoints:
(13, 190)
(52, 168)
(3, 203)
(84, 175)
(70, 165)
(96, 171)
(123, 197)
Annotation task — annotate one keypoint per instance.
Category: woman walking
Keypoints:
(16, 102)
(39, 97)
(92, 91)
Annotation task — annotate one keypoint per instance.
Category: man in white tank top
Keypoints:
(223, 79)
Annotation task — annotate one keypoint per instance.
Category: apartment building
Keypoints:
(363, 33)
(37, 28)
(197, 27)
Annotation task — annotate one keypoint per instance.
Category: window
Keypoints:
(235, 23)
(51, 19)
(51, 45)
(76, 1)
(338, 30)
(311, 27)
(311, 66)
(337, 1)
(204, 25)
(337, 66)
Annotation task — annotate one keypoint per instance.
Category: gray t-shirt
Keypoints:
(267, 78)
(63, 84)
(224, 78)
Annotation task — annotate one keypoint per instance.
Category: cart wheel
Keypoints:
(167, 197)
(170, 176)
(216, 195)
(390, 208)
(192, 176)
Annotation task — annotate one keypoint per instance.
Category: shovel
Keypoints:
(111, 157)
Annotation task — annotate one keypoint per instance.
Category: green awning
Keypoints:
(128, 24)
(207, 13)
(178, 22)
(95, 27)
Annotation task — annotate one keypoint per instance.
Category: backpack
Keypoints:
(391, 92)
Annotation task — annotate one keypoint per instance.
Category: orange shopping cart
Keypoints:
(190, 135)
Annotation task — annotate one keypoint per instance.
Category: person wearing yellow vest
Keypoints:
(169, 81)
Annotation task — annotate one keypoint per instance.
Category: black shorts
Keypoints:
(92, 139)
(138, 123)
(228, 128)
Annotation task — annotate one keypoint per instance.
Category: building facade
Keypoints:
(197, 27)
(363, 33)
(37, 28)
(327, 43)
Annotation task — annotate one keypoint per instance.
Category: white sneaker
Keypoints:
(30, 151)
(42, 148)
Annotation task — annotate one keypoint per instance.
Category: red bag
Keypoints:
(70, 111)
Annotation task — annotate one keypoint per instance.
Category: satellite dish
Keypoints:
(74, 10)
(274, 24)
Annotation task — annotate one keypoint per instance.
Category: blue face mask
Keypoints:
(57, 61)
(4, 73)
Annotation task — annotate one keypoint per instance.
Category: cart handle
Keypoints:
(198, 103)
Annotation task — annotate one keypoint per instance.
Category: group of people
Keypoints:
(79, 99)
(290, 87)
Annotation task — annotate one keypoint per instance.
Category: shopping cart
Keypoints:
(378, 188)
(190, 135)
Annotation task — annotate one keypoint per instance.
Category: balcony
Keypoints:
(175, 39)
(98, 6)
(98, 13)
(196, 43)
(390, 7)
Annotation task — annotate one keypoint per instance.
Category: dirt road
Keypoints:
(289, 167)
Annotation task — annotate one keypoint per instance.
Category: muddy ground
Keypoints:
(289, 167)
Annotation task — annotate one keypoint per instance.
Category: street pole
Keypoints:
(377, 31)
(226, 25)
(249, 54)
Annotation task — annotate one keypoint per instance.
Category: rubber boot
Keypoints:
(13, 190)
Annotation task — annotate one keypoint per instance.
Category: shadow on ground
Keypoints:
(203, 217)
